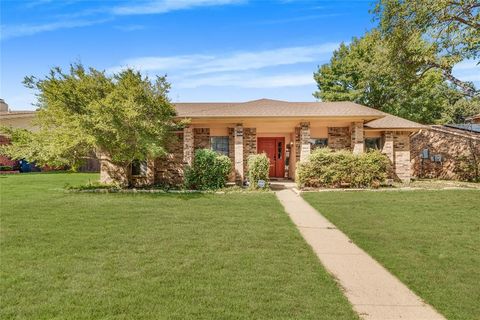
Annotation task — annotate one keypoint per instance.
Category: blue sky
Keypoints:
(211, 50)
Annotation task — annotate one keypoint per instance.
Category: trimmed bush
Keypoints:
(209, 171)
(6, 168)
(258, 169)
(332, 169)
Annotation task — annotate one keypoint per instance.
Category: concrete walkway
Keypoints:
(370, 288)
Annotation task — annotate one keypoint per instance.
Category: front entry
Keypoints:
(275, 150)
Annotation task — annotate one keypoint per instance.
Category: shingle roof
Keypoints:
(275, 108)
(473, 127)
(393, 122)
(17, 114)
(477, 116)
(278, 109)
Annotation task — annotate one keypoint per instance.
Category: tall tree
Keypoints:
(363, 72)
(124, 116)
(451, 28)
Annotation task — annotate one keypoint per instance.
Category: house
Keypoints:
(446, 151)
(26, 120)
(285, 131)
(474, 119)
(14, 119)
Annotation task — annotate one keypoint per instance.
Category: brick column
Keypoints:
(396, 147)
(238, 153)
(112, 173)
(304, 140)
(357, 137)
(388, 145)
(401, 149)
(188, 140)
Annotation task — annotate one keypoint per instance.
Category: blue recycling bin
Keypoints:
(25, 166)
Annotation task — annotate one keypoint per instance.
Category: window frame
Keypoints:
(142, 168)
(225, 143)
(378, 143)
(314, 145)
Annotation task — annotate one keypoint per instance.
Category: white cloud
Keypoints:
(167, 63)
(237, 61)
(13, 31)
(244, 80)
(103, 14)
(267, 58)
(273, 68)
(164, 6)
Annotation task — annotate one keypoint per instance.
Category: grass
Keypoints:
(429, 239)
(154, 256)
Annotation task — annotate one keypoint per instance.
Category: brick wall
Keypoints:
(401, 149)
(452, 145)
(201, 138)
(298, 144)
(231, 152)
(112, 173)
(339, 138)
(357, 139)
(169, 169)
(305, 147)
(249, 145)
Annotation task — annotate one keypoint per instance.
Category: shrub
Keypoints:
(326, 168)
(258, 169)
(209, 171)
(468, 168)
(6, 168)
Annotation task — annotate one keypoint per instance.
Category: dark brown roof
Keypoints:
(275, 108)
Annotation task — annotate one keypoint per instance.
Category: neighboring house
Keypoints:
(25, 120)
(445, 151)
(285, 131)
(474, 119)
(14, 119)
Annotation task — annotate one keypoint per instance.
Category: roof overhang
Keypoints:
(15, 115)
(394, 129)
(305, 118)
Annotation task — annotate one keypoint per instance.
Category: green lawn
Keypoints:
(428, 239)
(154, 256)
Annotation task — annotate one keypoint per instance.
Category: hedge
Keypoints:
(325, 168)
(209, 171)
(258, 169)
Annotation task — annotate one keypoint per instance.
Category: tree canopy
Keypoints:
(124, 116)
(451, 30)
(400, 67)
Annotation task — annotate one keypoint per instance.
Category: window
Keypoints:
(139, 168)
(373, 143)
(220, 145)
(318, 143)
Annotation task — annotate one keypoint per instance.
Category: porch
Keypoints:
(287, 142)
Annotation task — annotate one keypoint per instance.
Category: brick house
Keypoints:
(440, 151)
(285, 131)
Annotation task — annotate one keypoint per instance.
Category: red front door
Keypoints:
(275, 150)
